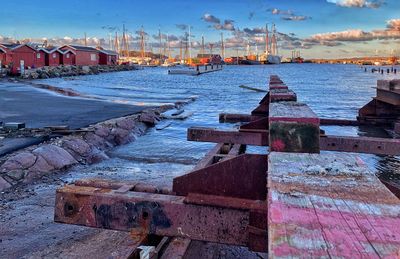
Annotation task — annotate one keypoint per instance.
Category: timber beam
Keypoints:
(368, 145)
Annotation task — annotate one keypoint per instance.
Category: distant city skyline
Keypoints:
(316, 28)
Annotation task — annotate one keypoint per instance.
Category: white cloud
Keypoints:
(358, 3)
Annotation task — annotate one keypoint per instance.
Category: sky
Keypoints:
(316, 28)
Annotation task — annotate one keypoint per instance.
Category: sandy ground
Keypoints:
(38, 108)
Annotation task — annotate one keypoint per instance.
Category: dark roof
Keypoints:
(108, 52)
(84, 48)
(10, 45)
(207, 55)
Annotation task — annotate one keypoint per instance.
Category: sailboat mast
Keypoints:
(222, 46)
(160, 43)
(169, 50)
(202, 45)
(267, 48)
(190, 54)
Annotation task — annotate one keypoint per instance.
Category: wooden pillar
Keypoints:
(293, 127)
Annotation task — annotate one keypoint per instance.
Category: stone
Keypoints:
(10, 165)
(102, 131)
(16, 174)
(149, 119)
(4, 184)
(95, 140)
(126, 123)
(77, 145)
(55, 156)
(25, 159)
(41, 165)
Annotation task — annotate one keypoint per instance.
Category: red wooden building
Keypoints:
(53, 56)
(17, 53)
(68, 58)
(40, 58)
(84, 56)
(108, 57)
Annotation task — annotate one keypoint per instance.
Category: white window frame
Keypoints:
(38, 55)
(93, 57)
(54, 55)
(67, 55)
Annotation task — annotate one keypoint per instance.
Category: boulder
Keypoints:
(41, 165)
(4, 184)
(55, 156)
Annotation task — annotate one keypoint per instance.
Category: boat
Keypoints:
(270, 56)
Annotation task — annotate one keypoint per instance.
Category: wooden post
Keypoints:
(293, 127)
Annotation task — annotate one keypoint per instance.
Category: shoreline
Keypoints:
(60, 154)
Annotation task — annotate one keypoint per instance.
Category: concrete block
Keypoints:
(14, 125)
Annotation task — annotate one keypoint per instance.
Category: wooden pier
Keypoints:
(197, 70)
(291, 203)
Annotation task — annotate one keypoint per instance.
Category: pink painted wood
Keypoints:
(329, 205)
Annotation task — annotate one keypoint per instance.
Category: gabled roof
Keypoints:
(10, 45)
(66, 51)
(14, 46)
(82, 48)
(3, 49)
(108, 52)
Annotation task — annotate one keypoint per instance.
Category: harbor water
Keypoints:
(332, 91)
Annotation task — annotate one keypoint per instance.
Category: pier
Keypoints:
(197, 70)
(293, 201)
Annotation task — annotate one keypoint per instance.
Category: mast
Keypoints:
(274, 47)
(160, 43)
(116, 43)
(202, 45)
(142, 46)
(222, 46)
(267, 47)
(190, 43)
(169, 50)
(85, 39)
(110, 41)
(180, 50)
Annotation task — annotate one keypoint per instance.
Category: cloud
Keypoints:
(228, 25)
(182, 27)
(391, 32)
(211, 18)
(358, 3)
(295, 18)
(288, 15)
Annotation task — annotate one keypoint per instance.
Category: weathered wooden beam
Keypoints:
(239, 177)
(146, 213)
(293, 127)
(232, 117)
(176, 249)
(282, 95)
(234, 137)
(339, 122)
(379, 146)
(329, 205)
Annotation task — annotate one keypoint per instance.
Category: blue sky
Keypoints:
(298, 21)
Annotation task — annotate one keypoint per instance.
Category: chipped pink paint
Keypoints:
(278, 145)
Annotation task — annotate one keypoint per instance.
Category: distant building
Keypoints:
(17, 54)
(108, 57)
(84, 56)
(68, 58)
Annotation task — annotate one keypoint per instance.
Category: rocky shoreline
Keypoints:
(66, 71)
(57, 154)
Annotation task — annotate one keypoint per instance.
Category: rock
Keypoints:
(102, 131)
(85, 69)
(77, 145)
(4, 184)
(94, 140)
(25, 159)
(41, 165)
(149, 119)
(55, 156)
(10, 165)
(16, 174)
(126, 123)
(121, 136)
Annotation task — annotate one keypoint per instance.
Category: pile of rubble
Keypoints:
(64, 71)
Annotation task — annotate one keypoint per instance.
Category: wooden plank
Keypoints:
(368, 145)
(293, 127)
(233, 137)
(329, 205)
(176, 248)
(280, 95)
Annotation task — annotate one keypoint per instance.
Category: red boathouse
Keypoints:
(68, 58)
(108, 57)
(40, 58)
(17, 53)
(84, 56)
